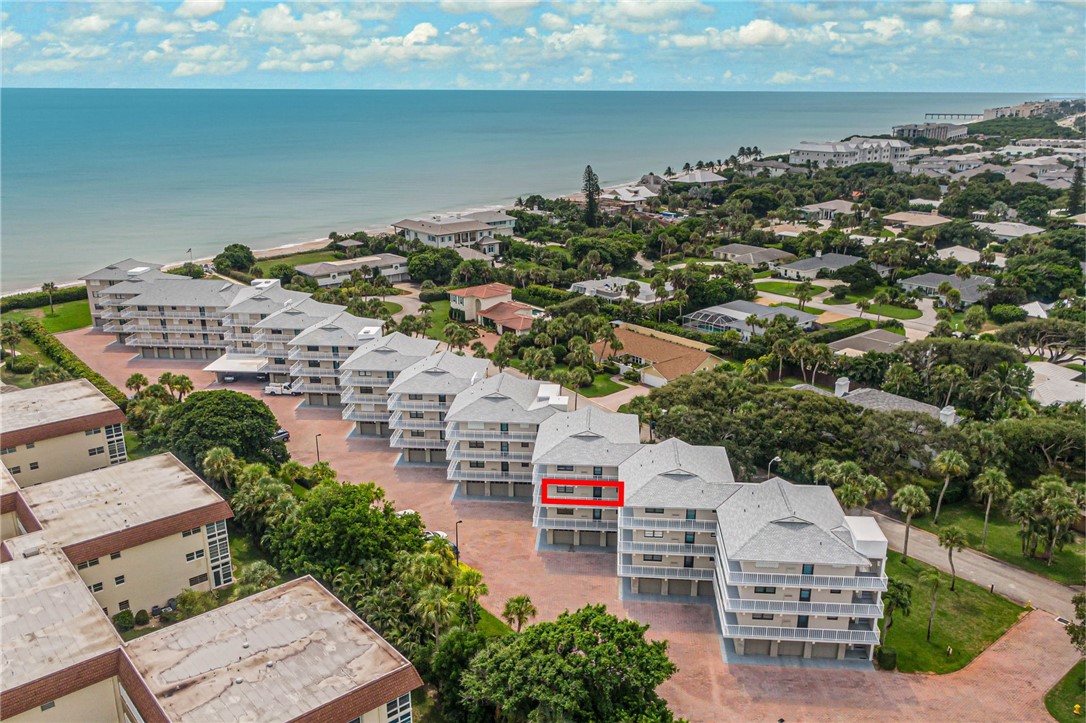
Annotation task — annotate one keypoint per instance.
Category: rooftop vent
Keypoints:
(31, 552)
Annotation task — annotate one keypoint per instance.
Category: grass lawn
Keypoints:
(764, 274)
(1076, 367)
(777, 287)
(424, 708)
(791, 382)
(893, 312)
(809, 309)
(438, 319)
(67, 316)
(28, 348)
(135, 447)
(1004, 543)
(602, 385)
(490, 626)
(393, 307)
(309, 257)
(1061, 700)
(969, 619)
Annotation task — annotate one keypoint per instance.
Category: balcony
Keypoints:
(481, 455)
(352, 414)
(355, 379)
(297, 353)
(156, 314)
(401, 441)
(270, 368)
(537, 497)
(313, 388)
(574, 477)
(542, 520)
(489, 435)
(352, 397)
(812, 635)
(456, 472)
(299, 369)
(174, 343)
(665, 548)
(399, 421)
(792, 607)
(396, 403)
(243, 350)
(238, 335)
(666, 571)
(813, 582)
(666, 523)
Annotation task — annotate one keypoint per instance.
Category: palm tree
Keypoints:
(182, 385)
(898, 597)
(50, 288)
(458, 335)
(993, 484)
(166, 380)
(580, 353)
(1060, 512)
(479, 350)
(780, 349)
(580, 377)
(49, 375)
(430, 569)
(469, 583)
(863, 305)
(804, 291)
(434, 606)
(10, 335)
(518, 610)
(910, 500)
(136, 382)
(952, 538)
(948, 463)
(931, 577)
(219, 465)
(256, 576)
(754, 371)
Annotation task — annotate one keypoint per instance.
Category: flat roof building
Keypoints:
(58, 430)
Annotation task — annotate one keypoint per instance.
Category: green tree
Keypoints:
(10, 335)
(805, 291)
(1076, 194)
(1076, 630)
(435, 265)
(182, 385)
(953, 539)
(931, 577)
(992, 485)
(194, 602)
(219, 465)
(220, 418)
(49, 375)
(136, 382)
(897, 598)
(235, 257)
(166, 380)
(910, 500)
(458, 336)
(591, 190)
(451, 659)
(518, 610)
(1033, 210)
(434, 606)
(974, 319)
(49, 288)
(256, 576)
(282, 271)
(947, 464)
(469, 583)
(504, 350)
(588, 665)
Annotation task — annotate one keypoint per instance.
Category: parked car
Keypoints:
(435, 533)
(229, 379)
(276, 390)
(262, 377)
(405, 513)
(281, 435)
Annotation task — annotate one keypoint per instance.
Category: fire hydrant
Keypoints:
(1078, 709)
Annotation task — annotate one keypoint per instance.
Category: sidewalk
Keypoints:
(1009, 581)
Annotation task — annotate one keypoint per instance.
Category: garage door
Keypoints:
(678, 587)
(522, 489)
(705, 588)
(824, 650)
(756, 647)
(590, 537)
(649, 586)
(790, 649)
(612, 539)
(563, 537)
(476, 488)
(499, 489)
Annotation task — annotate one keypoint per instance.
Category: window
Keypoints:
(441, 398)
(50, 704)
(475, 445)
(119, 580)
(33, 465)
(765, 590)
(525, 444)
(198, 580)
(418, 433)
(564, 510)
(313, 364)
(30, 445)
(94, 451)
(808, 569)
(7, 450)
(504, 446)
(761, 616)
(805, 595)
(416, 415)
(691, 514)
(833, 618)
(802, 621)
(565, 468)
(124, 605)
(476, 465)
(503, 427)
(92, 432)
(196, 555)
(654, 510)
(565, 489)
(415, 397)
(597, 471)
(190, 533)
(689, 537)
(114, 556)
(96, 587)
(88, 563)
(653, 558)
(688, 561)
(16, 469)
(399, 710)
(835, 592)
(654, 534)
(597, 514)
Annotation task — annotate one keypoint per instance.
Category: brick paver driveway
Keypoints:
(1007, 682)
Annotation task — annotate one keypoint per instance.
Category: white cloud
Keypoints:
(297, 66)
(817, 13)
(626, 78)
(885, 28)
(9, 39)
(76, 52)
(585, 76)
(507, 11)
(762, 32)
(200, 8)
(223, 67)
(550, 21)
(88, 24)
(161, 26)
(414, 46)
(54, 65)
(784, 77)
(421, 34)
(280, 20)
(581, 37)
(648, 16)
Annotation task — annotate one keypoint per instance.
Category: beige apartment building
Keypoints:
(138, 533)
(419, 399)
(318, 351)
(102, 279)
(59, 430)
(576, 459)
(491, 429)
(366, 375)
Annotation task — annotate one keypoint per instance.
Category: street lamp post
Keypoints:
(456, 540)
(317, 441)
(769, 469)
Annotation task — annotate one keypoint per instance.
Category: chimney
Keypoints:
(818, 253)
(840, 389)
(948, 415)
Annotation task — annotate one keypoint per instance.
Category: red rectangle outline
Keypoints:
(617, 484)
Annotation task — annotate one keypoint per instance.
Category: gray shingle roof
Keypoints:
(214, 293)
(886, 402)
(268, 301)
(830, 262)
(119, 271)
(340, 329)
(971, 288)
(299, 315)
(503, 398)
(587, 436)
(676, 474)
(443, 373)
(391, 353)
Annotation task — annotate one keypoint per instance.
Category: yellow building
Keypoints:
(59, 430)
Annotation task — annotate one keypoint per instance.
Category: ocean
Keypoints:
(88, 177)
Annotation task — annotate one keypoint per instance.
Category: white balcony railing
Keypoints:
(488, 435)
(174, 343)
(297, 353)
(397, 403)
(353, 414)
(350, 396)
(132, 313)
(814, 582)
(545, 522)
(812, 635)
(456, 472)
(314, 388)
(401, 441)
(793, 607)
(299, 369)
(667, 523)
(455, 451)
(680, 573)
(665, 548)
(356, 379)
(401, 421)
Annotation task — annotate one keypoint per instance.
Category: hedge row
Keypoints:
(542, 296)
(38, 299)
(844, 328)
(429, 296)
(69, 362)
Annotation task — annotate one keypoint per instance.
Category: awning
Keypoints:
(237, 363)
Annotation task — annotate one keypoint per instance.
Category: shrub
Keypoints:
(190, 269)
(69, 362)
(22, 364)
(560, 352)
(142, 618)
(633, 376)
(542, 295)
(842, 329)
(580, 305)
(840, 291)
(38, 299)
(430, 295)
(124, 621)
(610, 368)
(887, 658)
(1006, 314)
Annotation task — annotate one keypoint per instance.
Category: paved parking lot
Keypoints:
(1007, 682)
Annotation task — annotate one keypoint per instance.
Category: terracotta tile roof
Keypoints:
(484, 291)
(670, 359)
(510, 314)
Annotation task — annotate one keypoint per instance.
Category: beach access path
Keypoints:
(1006, 682)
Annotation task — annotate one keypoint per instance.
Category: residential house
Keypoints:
(753, 256)
(1036, 309)
(881, 401)
(1007, 230)
(334, 273)
(879, 340)
(824, 264)
(964, 255)
(657, 356)
(465, 304)
(510, 317)
(318, 351)
(738, 315)
(1055, 384)
(59, 430)
(613, 289)
(627, 198)
(826, 210)
(911, 219)
(699, 178)
(112, 275)
(772, 169)
(491, 429)
(419, 399)
(451, 230)
(366, 375)
(973, 290)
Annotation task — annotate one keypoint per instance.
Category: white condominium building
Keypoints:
(461, 229)
(274, 333)
(795, 576)
(420, 397)
(491, 429)
(243, 315)
(317, 352)
(366, 375)
(114, 274)
(113, 299)
(851, 152)
(575, 468)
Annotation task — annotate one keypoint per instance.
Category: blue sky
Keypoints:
(539, 45)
